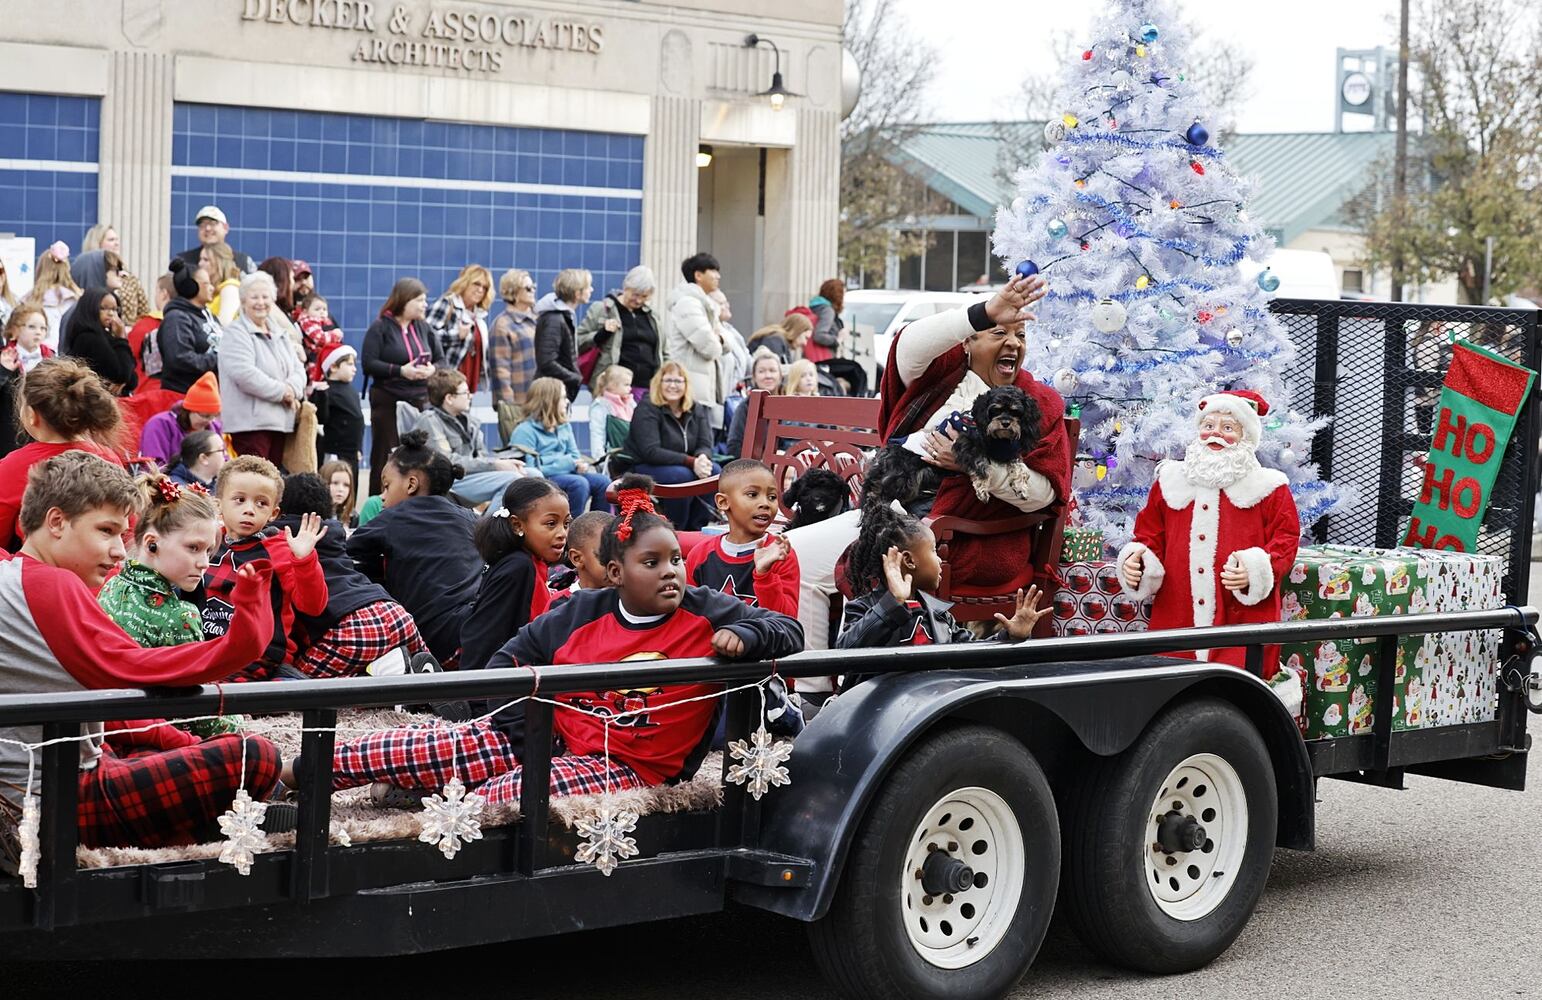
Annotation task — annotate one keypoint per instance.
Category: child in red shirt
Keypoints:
(247, 491)
(152, 789)
(749, 562)
(64, 407)
(648, 614)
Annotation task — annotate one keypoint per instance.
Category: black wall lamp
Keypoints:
(777, 92)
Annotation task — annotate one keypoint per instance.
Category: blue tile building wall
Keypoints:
(48, 166)
(366, 200)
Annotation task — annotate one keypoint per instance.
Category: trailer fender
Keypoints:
(841, 760)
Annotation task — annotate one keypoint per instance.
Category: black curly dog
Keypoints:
(1002, 425)
(815, 496)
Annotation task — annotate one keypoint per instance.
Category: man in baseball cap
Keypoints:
(213, 228)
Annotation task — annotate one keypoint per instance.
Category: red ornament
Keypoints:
(1086, 245)
(1087, 56)
(1204, 316)
(1197, 167)
(1112, 124)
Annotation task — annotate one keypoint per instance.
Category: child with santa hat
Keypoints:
(1226, 526)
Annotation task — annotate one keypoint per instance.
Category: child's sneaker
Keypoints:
(384, 795)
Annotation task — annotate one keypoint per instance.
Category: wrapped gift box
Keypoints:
(1440, 680)
(1081, 545)
(1090, 601)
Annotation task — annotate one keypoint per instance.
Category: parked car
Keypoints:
(873, 316)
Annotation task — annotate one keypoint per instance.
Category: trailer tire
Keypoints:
(1130, 899)
(977, 794)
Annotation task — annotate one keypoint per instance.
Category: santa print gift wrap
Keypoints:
(1187, 533)
(1090, 601)
(1439, 680)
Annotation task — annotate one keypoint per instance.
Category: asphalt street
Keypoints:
(1428, 892)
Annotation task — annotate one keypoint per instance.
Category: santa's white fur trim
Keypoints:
(1260, 576)
(1204, 525)
(1151, 569)
(1246, 492)
(1241, 409)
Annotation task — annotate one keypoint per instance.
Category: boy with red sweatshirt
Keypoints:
(154, 789)
(247, 491)
(748, 562)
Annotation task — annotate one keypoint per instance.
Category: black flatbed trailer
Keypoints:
(936, 813)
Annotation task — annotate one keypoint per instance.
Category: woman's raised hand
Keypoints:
(1010, 305)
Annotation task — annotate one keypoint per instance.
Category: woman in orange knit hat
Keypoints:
(199, 409)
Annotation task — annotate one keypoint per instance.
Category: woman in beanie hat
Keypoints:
(199, 410)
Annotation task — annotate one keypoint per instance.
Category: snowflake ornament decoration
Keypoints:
(606, 841)
(452, 818)
(244, 836)
(27, 833)
(763, 758)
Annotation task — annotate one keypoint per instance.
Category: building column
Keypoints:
(670, 194)
(134, 192)
(803, 188)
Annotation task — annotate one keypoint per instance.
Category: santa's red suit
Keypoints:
(1186, 533)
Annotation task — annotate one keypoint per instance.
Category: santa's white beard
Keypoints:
(1217, 469)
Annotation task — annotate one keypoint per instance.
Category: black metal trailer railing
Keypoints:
(315, 870)
(1380, 365)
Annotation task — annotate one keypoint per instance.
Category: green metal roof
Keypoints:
(1302, 179)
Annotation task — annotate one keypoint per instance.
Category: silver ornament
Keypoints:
(1066, 381)
(244, 836)
(606, 840)
(1234, 337)
(1122, 80)
(451, 818)
(1109, 316)
(1054, 131)
(1288, 456)
(762, 759)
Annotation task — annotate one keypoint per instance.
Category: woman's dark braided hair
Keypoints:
(881, 527)
(634, 496)
(494, 534)
(414, 455)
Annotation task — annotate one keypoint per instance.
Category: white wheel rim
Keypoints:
(978, 827)
(1188, 885)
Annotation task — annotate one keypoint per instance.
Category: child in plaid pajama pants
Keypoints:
(652, 736)
(360, 623)
(152, 789)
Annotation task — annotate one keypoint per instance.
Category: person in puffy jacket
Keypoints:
(185, 343)
(695, 332)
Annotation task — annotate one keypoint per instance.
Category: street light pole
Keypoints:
(1400, 165)
(1488, 265)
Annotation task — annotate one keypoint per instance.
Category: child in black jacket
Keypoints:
(361, 623)
(339, 409)
(893, 565)
(420, 545)
(519, 540)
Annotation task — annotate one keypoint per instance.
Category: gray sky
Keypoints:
(985, 46)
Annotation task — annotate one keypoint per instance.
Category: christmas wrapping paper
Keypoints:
(1439, 679)
(1090, 601)
(1081, 545)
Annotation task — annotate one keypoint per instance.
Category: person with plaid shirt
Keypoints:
(158, 788)
(360, 623)
(459, 319)
(658, 735)
(511, 350)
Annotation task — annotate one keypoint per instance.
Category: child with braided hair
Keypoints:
(648, 614)
(893, 566)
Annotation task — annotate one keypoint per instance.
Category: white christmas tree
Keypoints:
(1138, 225)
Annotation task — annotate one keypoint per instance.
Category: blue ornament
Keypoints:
(1149, 33)
(1063, 161)
(1268, 280)
(1056, 228)
(1027, 269)
(1197, 135)
(1124, 228)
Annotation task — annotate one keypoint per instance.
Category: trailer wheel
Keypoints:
(950, 881)
(1169, 843)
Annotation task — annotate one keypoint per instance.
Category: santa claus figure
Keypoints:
(1218, 531)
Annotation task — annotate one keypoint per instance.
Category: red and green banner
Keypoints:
(1479, 406)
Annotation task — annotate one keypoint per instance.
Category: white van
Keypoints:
(873, 316)
(1303, 274)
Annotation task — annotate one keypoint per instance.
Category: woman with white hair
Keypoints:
(622, 326)
(262, 383)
